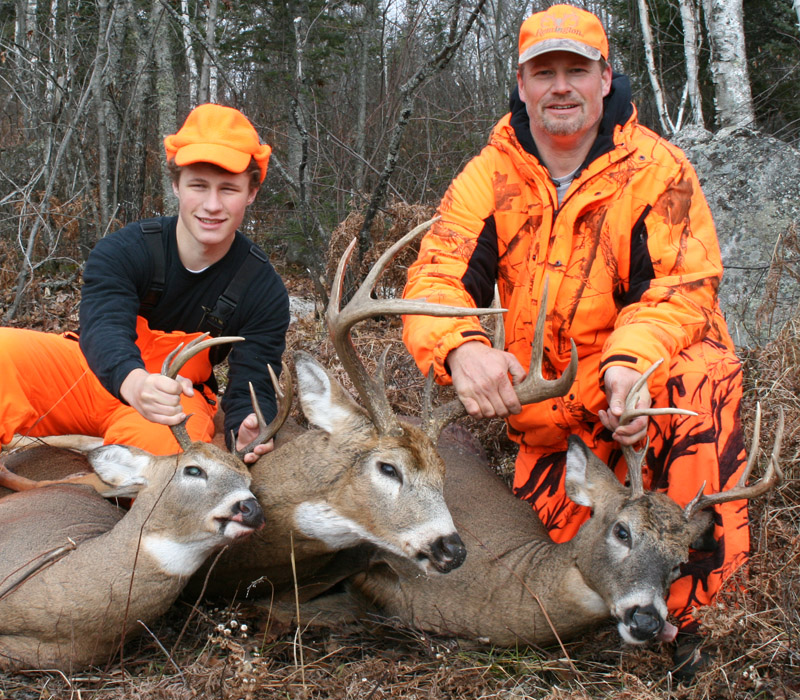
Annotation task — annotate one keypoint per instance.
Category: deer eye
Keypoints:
(194, 471)
(622, 534)
(390, 470)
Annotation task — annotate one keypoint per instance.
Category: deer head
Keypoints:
(636, 540)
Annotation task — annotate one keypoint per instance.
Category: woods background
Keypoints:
(371, 107)
(364, 102)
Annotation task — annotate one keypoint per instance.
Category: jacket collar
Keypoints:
(617, 110)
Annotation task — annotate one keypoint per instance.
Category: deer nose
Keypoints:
(249, 513)
(448, 553)
(643, 622)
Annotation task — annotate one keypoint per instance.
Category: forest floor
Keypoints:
(752, 633)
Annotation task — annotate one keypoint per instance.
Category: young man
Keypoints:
(147, 288)
(573, 190)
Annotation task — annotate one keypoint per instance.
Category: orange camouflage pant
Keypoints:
(684, 452)
(47, 388)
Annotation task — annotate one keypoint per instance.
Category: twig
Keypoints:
(166, 653)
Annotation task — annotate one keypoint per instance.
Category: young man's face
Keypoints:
(563, 94)
(212, 202)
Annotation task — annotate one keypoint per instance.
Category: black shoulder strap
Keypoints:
(151, 228)
(214, 320)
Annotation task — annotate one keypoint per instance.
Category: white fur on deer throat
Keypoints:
(320, 521)
(178, 558)
(183, 558)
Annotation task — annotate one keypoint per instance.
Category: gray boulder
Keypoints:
(752, 183)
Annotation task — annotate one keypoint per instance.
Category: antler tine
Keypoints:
(360, 307)
(175, 361)
(633, 457)
(535, 387)
(268, 431)
(532, 389)
(173, 364)
(772, 476)
(434, 421)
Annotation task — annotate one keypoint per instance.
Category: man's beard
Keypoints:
(563, 127)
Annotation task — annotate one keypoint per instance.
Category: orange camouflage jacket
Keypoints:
(631, 256)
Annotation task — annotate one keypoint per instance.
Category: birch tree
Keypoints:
(691, 48)
(188, 48)
(647, 35)
(732, 98)
(208, 73)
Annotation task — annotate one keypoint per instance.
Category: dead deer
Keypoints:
(519, 587)
(360, 476)
(79, 576)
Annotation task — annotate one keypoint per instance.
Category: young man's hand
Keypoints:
(480, 376)
(248, 431)
(619, 381)
(156, 397)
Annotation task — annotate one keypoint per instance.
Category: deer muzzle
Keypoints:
(644, 622)
(447, 553)
(249, 514)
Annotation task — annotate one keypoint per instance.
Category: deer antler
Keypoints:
(532, 389)
(266, 432)
(15, 482)
(173, 364)
(360, 307)
(772, 476)
(633, 457)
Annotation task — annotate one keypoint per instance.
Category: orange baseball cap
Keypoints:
(562, 28)
(219, 135)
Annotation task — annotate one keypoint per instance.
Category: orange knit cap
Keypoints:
(219, 135)
(562, 28)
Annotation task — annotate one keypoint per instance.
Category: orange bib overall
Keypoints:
(47, 388)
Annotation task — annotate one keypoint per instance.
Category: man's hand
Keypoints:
(618, 381)
(156, 397)
(248, 431)
(480, 376)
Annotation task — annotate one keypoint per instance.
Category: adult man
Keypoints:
(572, 190)
(150, 286)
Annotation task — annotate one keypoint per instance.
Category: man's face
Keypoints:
(212, 202)
(563, 95)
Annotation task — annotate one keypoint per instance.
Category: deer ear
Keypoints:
(325, 403)
(120, 466)
(587, 476)
(701, 526)
(575, 479)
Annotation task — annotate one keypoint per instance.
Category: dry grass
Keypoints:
(753, 630)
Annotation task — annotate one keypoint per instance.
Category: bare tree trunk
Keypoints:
(98, 88)
(167, 96)
(796, 5)
(367, 45)
(52, 173)
(732, 97)
(647, 35)
(408, 92)
(20, 27)
(209, 58)
(191, 62)
(51, 87)
(691, 47)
